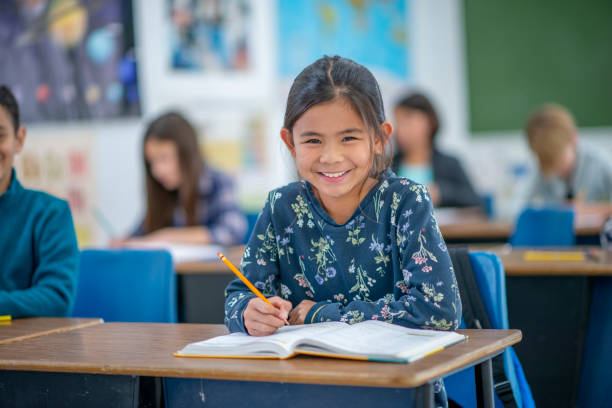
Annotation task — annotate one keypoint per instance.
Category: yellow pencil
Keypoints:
(243, 279)
(5, 318)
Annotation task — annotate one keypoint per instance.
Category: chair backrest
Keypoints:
(251, 221)
(126, 285)
(489, 275)
(550, 226)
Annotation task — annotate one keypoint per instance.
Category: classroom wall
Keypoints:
(439, 68)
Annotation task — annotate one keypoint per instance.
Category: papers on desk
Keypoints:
(182, 252)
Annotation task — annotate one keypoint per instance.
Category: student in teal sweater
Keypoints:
(38, 247)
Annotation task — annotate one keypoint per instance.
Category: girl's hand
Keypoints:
(298, 314)
(261, 319)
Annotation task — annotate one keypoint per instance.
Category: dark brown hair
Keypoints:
(330, 78)
(8, 101)
(418, 101)
(161, 203)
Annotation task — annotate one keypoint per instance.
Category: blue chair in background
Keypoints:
(251, 221)
(490, 278)
(126, 285)
(550, 226)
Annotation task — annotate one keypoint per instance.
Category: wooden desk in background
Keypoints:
(549, 302)
(469, 225)
(101, 365)
(21, 329)
(595, 263)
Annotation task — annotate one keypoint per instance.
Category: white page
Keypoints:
(382, 340)
(280, 343)
(182, 252)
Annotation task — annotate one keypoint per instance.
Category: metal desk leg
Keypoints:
(424, 396)
(484, 384)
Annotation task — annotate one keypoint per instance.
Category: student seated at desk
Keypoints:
(419, 159)
(187, 201)
(38, 246)
(350, 241)
(569, 171)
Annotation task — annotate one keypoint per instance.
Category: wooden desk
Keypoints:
(201, 288)
(460, 225)
(550, 301)
(22, 329)
(141, 349)
(595, 263)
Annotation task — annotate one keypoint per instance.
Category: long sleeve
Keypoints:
(426, 293)
(259, 265)
(54, 258)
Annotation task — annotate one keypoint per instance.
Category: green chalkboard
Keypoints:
(523, 53)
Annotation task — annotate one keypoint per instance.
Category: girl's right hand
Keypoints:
(261, 319)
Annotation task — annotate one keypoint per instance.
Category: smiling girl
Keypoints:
(350, 241)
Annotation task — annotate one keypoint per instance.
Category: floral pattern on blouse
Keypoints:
(387, 262)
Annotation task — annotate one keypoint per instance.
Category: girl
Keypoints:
(187, 201)
(419, 159)
(350, 241)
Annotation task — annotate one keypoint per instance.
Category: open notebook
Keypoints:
(369, 340)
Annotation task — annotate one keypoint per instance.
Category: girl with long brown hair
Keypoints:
(187, 200)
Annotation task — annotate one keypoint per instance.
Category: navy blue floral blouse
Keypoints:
(387, 262)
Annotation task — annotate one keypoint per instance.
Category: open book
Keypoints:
(369, 340)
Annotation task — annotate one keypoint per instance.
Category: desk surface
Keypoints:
(234, 254)
(21, 329)
(147, 349)
(595, 263)
(469, 224)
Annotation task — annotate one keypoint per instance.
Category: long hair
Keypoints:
(420, 102)
(161, 203)
(329, 78)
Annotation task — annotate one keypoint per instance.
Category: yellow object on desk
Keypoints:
(554, 256)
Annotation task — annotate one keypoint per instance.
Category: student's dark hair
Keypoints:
(161, 203)
(330, 78)
(8, 102)
(418, 101)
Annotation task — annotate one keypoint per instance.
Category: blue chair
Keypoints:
(490, 278)
(126, 285)
(251, 221)
(551, 226)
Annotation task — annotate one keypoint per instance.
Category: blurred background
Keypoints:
(90, 75)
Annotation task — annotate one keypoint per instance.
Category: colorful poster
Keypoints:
(373, 33)
(209, 35)
(61, 164)
(69, 59)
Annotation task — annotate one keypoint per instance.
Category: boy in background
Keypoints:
(569, 171)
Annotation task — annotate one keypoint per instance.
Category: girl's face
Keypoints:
(162, 156)
(331, 147)
(412, 129)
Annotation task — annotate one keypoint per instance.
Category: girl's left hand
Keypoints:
(298, 314)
